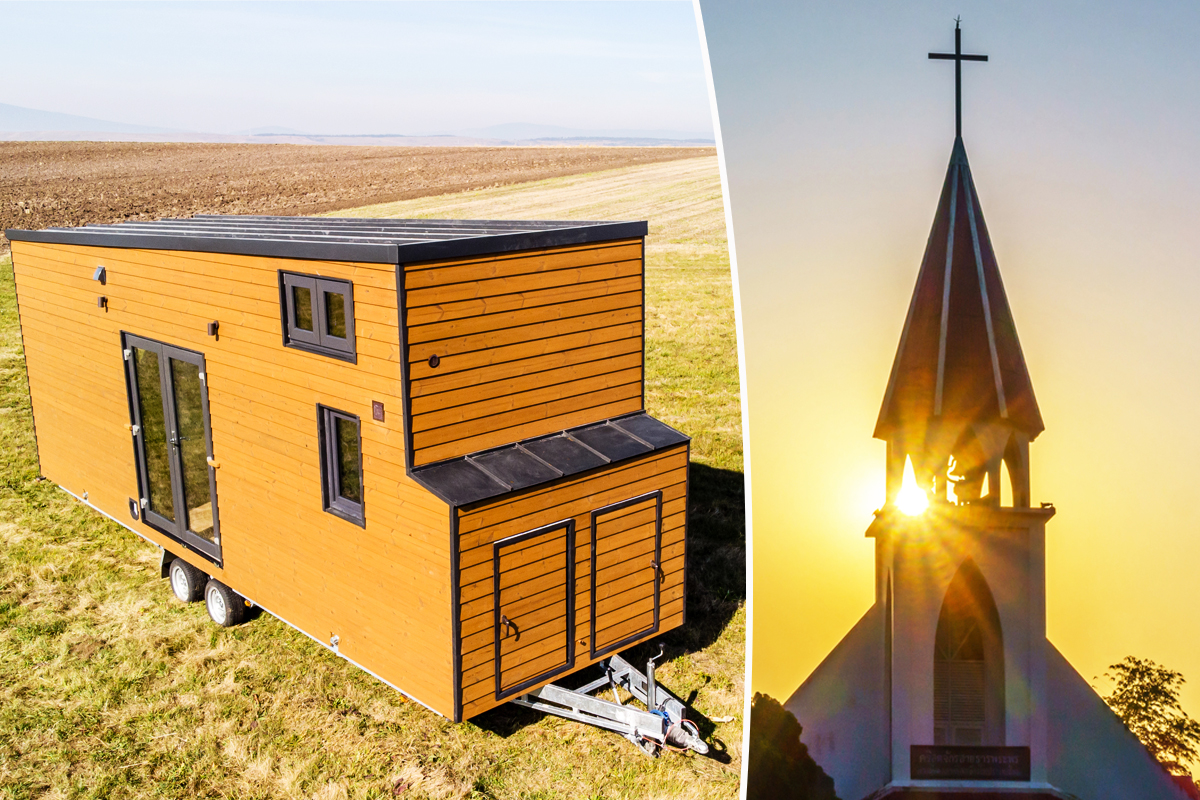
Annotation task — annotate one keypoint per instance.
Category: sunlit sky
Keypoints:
(360, 68)
(1082, 131)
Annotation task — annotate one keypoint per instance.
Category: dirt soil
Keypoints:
(57, 184)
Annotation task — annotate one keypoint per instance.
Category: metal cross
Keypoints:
(958, 58)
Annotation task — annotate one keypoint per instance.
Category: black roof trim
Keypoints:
(323, 251)
(383, 241)
(534, 462)
(515, 242)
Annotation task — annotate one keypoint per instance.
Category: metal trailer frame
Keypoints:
(661, 726)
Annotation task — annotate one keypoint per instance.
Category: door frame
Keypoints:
(176, 530)
(657, 496)
(569, 589)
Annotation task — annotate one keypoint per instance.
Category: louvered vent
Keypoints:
(958, 703)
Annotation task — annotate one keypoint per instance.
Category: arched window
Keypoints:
(968, 664)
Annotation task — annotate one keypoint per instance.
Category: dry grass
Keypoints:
(110, 688)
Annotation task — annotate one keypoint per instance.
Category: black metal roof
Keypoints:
(384, 241)
(502, 470)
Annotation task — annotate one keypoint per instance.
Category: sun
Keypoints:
(911, 499)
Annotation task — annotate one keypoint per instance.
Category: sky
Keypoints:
(412, 68)
(1082, 134)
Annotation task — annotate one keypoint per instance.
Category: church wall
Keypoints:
(1037, 683)
(922, 573)
(1091, 753)
(842, 708)
(925, 562)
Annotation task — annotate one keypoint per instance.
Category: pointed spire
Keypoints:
(959, 359)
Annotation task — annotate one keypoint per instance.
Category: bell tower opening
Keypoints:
(968, 664)
(966, 478)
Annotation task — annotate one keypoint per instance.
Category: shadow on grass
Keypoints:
(716, 588)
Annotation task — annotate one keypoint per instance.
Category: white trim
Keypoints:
(987, 306)
(264, 608)
(333, 649)
(741, 353)
(945, 325)
(110, 516)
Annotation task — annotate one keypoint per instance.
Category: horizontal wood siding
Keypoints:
(525, 344)
(569, 499)
(384, 591)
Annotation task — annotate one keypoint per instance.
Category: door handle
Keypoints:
(510, 625)
(658, 571)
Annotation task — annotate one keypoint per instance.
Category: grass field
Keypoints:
(111, 688)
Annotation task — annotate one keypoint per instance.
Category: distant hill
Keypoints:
(270, 130)
(30, 124)
(532, 131)
(17, 119)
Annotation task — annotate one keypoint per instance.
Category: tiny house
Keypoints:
(422, 443)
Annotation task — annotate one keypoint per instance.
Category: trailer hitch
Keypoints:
(661, 726)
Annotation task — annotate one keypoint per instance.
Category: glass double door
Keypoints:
(168, 400)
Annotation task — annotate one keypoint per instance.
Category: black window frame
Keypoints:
(318, 340)
(177, 528)
(331, 497)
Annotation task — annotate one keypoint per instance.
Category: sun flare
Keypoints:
(911, 499)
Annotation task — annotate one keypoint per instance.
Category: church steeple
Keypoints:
(959, 356)
(959, 387)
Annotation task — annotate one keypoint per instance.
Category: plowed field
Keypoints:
(49, 184)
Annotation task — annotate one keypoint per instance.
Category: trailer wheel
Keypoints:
(225, 606)
(187, 582)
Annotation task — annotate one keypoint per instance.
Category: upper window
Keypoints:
(318, 314)
(968, 664)
(341, 464)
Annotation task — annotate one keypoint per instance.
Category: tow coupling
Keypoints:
(662, 725)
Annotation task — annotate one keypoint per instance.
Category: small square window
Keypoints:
(340, 440)
(318, 314)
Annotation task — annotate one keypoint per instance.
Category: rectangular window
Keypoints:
(341, 464)
(318, 314)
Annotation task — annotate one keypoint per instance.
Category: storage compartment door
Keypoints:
(626, 571)
(533, 606)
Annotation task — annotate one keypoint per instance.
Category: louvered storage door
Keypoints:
(626, 571)
(958, 704)
(533, 606)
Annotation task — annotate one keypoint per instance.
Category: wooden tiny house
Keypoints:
(422, 443)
